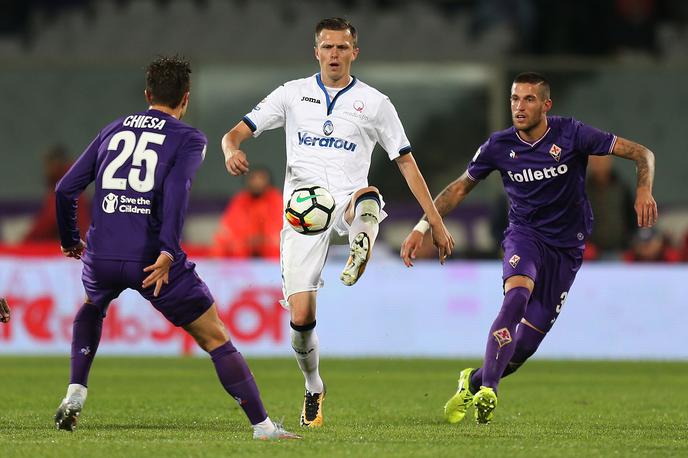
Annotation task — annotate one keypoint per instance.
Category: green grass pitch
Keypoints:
(173, 407)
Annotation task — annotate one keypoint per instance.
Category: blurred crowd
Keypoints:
(250, 224)
(525, 27)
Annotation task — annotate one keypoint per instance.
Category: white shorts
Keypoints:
(302, 257)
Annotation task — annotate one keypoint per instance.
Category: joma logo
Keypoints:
(310, 99)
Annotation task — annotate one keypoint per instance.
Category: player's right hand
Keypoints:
(159, 273)
(74, 252)
(442, 239)
(236, 162)
(4, 310)
(408, 249)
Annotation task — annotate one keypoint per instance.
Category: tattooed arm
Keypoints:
(446, 201)
(454, 194)
(645, 205)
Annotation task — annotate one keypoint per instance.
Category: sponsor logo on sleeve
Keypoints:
(502, 336)
(555, 152)
(514, 260)
(257, 107)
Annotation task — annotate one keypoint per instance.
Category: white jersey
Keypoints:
(330, 141)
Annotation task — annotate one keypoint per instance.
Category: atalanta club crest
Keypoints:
(328, 128)
(514, 260)
(555, 152)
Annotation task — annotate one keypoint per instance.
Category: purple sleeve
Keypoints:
(67, 192)
(590, 140)
(479, 168)
(176, 193)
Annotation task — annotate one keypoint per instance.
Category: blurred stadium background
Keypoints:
(71, 66)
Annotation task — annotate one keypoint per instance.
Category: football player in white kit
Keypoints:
(332, 121)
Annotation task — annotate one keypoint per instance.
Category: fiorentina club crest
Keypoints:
(514, 260)
(555, 152)
(503, 337)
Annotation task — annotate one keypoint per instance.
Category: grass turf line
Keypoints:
(387, 407)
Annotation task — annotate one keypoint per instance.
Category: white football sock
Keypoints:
(306, 350)
(77, 390)
(265, 427)
(366, 219)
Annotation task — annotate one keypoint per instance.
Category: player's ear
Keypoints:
(356, 51)
(548, 105)
(148, 96)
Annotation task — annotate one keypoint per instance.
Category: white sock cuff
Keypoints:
(301, 340)
(266, 426)
(368, 207)
(79, 390)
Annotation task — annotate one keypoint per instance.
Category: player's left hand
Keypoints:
(442, 239)
(645, 208)
(4, 310)
(236, 163)
(159, 273)
(74, 252)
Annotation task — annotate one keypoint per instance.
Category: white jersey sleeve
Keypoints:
(269, 114)
(390, 131)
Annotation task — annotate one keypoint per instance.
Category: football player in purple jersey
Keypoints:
(542, 162)
(143, 165)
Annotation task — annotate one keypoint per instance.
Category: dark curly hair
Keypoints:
(167, 80)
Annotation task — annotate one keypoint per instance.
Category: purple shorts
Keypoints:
(182, 301)
(552, 269)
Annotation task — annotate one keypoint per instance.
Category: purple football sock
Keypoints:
(500, 345)
(527, 342)
(86, 331)
(238, 381)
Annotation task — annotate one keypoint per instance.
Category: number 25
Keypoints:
(141, 155)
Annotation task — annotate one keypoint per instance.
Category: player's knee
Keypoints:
(211, 336)
(368, 189)
(87, 311)
(516, 300)
(302, 318)
(302, 308)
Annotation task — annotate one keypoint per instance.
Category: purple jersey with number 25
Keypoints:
(143, 165)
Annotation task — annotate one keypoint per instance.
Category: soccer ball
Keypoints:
(309, 210)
